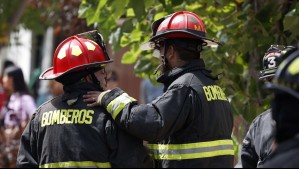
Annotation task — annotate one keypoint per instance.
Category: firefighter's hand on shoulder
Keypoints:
(94, 98)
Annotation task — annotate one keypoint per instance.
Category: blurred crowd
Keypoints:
(17, 104)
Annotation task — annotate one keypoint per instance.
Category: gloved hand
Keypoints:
(94, 98)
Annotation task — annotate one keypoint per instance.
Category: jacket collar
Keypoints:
(169, 76)
(75, 90)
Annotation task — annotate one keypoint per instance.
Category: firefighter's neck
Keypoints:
(174, 59)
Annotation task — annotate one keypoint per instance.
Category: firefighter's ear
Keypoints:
(171, 52)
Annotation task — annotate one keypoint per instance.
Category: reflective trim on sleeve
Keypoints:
(191, 150)
(116, 105)
(76, 164)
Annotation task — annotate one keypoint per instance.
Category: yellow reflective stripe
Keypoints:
(116, 105)
(192, 150)
(72, 164)
(190, 145)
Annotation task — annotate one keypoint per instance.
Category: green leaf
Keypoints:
(130, 12)
(127, 26)
(97, 14)
(125, 40)
(114, 39)
(136, 35)
(194, 6)
(148, 3)
(177, 2)
(129, 58)
(163, 3)
(117, 8)
(139, 8)
(160, 15)
(291, 23)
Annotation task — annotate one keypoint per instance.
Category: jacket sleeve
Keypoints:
(154, 121)
(249, 157)
(27, 155)
(126, 151)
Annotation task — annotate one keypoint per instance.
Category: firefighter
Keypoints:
(64, 132)
(285, 113)
(258, 142)
(190, 124)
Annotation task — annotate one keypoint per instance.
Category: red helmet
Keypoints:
(182, 24)
(77, 53)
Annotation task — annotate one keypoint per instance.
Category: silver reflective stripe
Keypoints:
(192, 150)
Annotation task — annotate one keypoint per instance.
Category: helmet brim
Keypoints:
(210, 42)
(280, 88)
(267, 76)
(50, 75)
(268, 73)
(150, 45)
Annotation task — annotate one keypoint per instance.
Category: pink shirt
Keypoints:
(19, 109)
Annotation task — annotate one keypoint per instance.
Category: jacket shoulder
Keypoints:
(263, 117)
(188, 79)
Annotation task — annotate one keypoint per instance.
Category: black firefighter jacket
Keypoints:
(285, 155)
(64, 132)
(258, 142)
(190, 125)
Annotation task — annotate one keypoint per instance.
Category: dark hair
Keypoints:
(188, 49)
(19, 83)
(7, 63)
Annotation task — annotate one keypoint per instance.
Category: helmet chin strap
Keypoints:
(158, 68)
(96, 81)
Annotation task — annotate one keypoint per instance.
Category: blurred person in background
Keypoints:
(149, 92)
(4, 97)
(15, 113)
(3, 100)
(55, 89)
(6, 64)
(285, 86)
(258, 142)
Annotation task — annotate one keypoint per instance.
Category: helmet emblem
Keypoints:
(90, 46)
(62, 53)
(198, 28)
(192, 19)
(76, 51)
